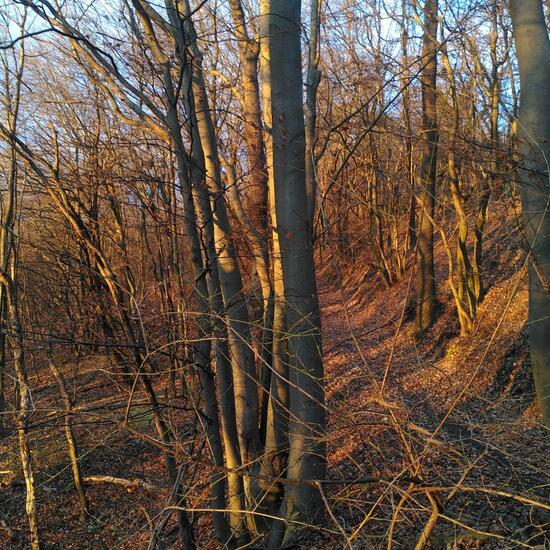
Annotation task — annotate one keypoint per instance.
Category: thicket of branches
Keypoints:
(173, 173)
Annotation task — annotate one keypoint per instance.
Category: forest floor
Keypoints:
(460, 409)
(456, 413)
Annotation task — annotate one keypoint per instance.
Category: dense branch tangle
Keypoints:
(181, 118)
(191, 164)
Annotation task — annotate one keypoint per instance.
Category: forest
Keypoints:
(274, 274)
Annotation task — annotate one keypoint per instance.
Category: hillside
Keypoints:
(463, 410)
(446, 423)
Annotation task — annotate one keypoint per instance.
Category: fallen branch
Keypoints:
(127, 483)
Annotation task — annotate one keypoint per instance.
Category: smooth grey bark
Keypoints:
(280, 29)
(533, 53)
(191, 176)
(207, 299)
(255, 217)
(274, 420)
(244, 372)
(219, 332)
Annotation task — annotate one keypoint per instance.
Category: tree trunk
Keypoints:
(425, 276)
(71, 439)
(533, 52)
(406, 101)
(313, 79)
(253, 131)
(244, 372)
(280, 21)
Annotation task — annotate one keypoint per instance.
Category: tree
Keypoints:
(12, 326)
(533, 52)
(425, 275)
(280, 31)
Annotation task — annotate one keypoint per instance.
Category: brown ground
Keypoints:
(489, 458)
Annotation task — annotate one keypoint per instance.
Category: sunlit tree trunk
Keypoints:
(281, 31)
(275, 417)
(221, 351)
(249, 50)
(253, 215)
(244, 371)
(425, 276)
(533, 52)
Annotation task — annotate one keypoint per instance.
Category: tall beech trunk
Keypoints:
(208, 297)
(274, 420)
(533, 52)
(254, 217)
(239, 400)
(221, 351)
(244, 372)
(280, 29)
(425, 272)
